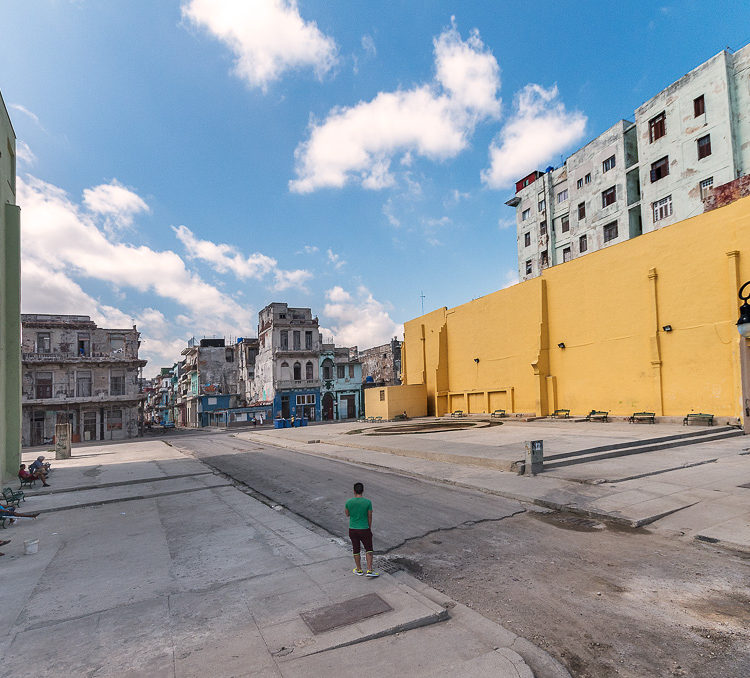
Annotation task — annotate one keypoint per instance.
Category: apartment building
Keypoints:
(642, 175)
(341, 383)
(287, 366)
(75, 372)
(381, 365)
(10, 302)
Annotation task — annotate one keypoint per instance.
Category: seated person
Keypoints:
(40, 468)
(12, 513)
(25, 474)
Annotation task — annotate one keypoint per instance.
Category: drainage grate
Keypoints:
(387, 566)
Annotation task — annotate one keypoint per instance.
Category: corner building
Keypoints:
(640, 176)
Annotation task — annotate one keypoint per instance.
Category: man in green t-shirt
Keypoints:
(359, 511)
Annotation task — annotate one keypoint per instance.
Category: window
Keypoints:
(310, 399)
(84, 344)
(565, 224)
(117, 382)
(382, 394)
(579, 183)
(525, 215)
(566, 254)
(609, 196)
(610, 231)
(581, 210)
(117, 343)
(83, 383)
(608, 164)
(308, 370)
(706, 187)
(662, 208)
(542, 205)
(114, 420)
(587, 178)
(326, 370)
(308, 340)
(351, 371)
(582, 244)
(340, 371)
(562, 196)
(699, 106)
(296, 340)
(43, 344)
(659, 169)
(229, 355)
(297, 372)
(43, 385)
(657, 127)
(528, 267)
(300, 400)
(704, 146)
(544, 259)
(526, 239)
(543, 228)
(284, 340)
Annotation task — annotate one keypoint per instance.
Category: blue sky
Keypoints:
(184, 163)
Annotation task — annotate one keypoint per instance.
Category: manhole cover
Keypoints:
(342, 614)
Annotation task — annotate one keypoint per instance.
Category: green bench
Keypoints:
(498, 414)
(698, 417)
(650, 417)
(597, 415)
(457, 413)
(12, 497)
(561, 414)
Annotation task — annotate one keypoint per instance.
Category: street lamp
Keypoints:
(743, 324)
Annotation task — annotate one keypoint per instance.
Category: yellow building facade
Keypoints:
(644, 325)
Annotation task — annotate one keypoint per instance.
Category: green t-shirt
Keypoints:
(358, 508)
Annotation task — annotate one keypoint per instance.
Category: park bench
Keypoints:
(457, 413)
(698, 417)
(597, 415)
(12, 497)
(498, 414)
(561, 414)
(29, 482)
(650, 417)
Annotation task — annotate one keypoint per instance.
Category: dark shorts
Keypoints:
(364, 536)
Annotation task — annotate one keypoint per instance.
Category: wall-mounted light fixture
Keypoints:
(561, 345)
(743, 324)
(667, 328)
(476, 360)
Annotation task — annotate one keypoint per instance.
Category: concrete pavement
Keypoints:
(698, 491)
(149, 564)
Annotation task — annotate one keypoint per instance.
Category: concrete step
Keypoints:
(585, 456)
(708, 431)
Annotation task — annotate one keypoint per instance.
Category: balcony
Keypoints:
(100, 398)
(94, 358)
(297, 383)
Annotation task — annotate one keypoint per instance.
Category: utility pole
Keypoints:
(421, 296)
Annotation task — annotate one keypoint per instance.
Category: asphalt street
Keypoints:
(404, 509)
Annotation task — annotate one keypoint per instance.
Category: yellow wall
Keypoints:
(396, 400)
(608, 308)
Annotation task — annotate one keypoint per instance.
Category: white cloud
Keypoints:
(267, 37)
(368, 45)
(310, 249)
(510, 279)
(30, 114)
(388, 208)
(63, 239)
(116, 203)
(504, 223)
(24, 153)
(283, 280)
(539, 130)
(335, 260)
(225, 257)
(454, 197)
(359, 320)
(433, 120)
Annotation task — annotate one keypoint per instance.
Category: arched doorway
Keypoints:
(327, 407)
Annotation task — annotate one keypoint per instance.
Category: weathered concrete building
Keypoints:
(381, 365)
(287, 364)
(639, 176)
(10, 302)
(207, 382)
(340, 383)
(75, 372)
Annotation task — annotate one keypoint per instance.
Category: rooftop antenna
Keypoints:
(421, 296)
